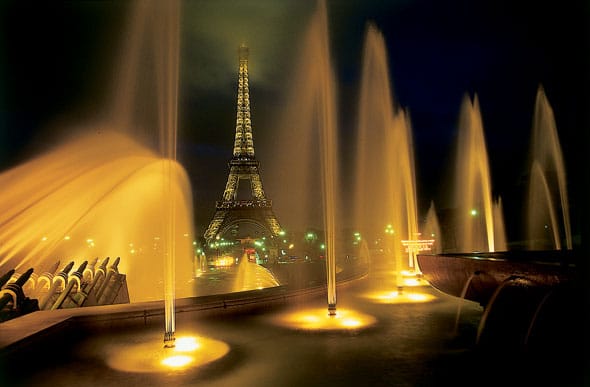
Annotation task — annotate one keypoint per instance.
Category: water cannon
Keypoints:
(113, 271)
(88, 273)
(46, 278)
(115, 265)
(13, 291)
(6, 277)
(73, 279)
(60, 279)
(103, 266)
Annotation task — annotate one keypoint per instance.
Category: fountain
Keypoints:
(547, 186)
(432, 230)
(385, 177)
(48, 210)
(512, 286)
(312, 118)
(251, 275)
(476, 224)
(118, 345)
(545, 267)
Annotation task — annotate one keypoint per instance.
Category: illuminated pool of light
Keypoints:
(319, 319)
(151, 356)
(407, 296)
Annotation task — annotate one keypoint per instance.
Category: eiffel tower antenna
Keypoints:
(230, 211)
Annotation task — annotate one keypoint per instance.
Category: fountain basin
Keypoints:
(483, 273)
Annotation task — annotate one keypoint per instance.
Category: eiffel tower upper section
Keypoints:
(243, 144)
(243, 166)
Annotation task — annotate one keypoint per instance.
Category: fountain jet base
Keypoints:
(169, 340)
(331, 309)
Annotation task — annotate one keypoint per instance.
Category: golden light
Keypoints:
(318, 319)
(186, 344)
(177, 361)
(412, 282)
(412, 278)
(224, 261)
(151, 356)
(395, 297)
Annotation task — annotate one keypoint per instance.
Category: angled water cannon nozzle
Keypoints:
(6, 277)
(78, 273)
(103, 266)
(14, 291)
(115, 265)
(73, 279)
(67, 268)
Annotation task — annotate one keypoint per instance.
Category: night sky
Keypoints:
(57, 57)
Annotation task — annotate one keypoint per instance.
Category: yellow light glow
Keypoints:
(186, 344)
(224, 261)
(351, 323)
(319, 319)
(177, 361)
(152, 356)
(411, 282)
(394, 297)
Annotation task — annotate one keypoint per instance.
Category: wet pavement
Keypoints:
(424, 342)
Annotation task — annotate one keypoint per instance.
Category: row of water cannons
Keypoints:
(88, 285)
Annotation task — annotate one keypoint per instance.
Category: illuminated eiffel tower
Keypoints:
(243, 166)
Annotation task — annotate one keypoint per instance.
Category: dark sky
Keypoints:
(57, 57)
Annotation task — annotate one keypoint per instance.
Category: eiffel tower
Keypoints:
(243, 166)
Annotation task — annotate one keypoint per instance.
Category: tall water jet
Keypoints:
(325, 98)
(431, 229)
(385, 187)
(473, 195)
(310, 129)
(154, 38)
(547, 185)
(500, 241)
(166, 37)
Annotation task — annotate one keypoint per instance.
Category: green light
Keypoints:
(473, 212)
